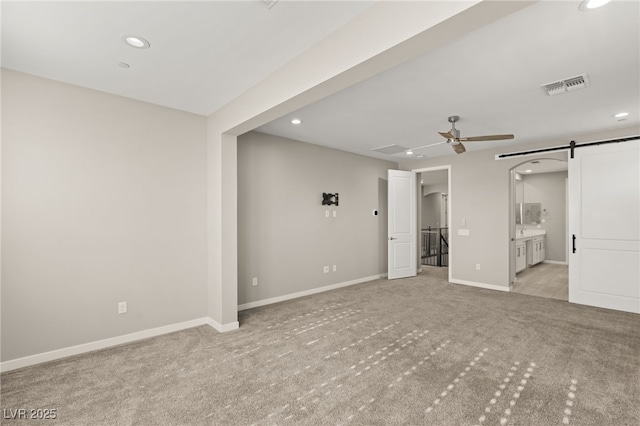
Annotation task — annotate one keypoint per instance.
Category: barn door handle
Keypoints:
(574, 242)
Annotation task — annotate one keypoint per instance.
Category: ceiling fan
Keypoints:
(454, 139)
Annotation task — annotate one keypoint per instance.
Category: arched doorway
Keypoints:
(538, 228)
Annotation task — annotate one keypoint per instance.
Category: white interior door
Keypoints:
(402, 225)
(604, 226)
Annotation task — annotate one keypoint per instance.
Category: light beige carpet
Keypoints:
(416, 351)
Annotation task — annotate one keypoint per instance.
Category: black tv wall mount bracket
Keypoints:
(329, 199)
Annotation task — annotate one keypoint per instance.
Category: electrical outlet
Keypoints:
(326, 213)
(326, 269)
(335, 213)
(122, 307)
(335, 268)
(477, 266)
(255, 281)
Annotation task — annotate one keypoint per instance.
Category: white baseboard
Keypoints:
(145, 334)
(223, 328)
(554, 262)
(480, 285)
(106, 343)
(277, 299)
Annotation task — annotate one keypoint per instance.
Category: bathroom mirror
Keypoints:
(528, 213)
(531, 213)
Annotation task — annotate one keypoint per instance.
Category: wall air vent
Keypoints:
(389, 149)
(566, 85)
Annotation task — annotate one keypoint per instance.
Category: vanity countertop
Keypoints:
(530, 233)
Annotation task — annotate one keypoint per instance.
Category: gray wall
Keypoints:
(431, 196)
(549, 190)
(284, 238)
(103, 200)
(431, 210)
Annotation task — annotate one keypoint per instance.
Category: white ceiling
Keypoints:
(204, 54)
(491, 78)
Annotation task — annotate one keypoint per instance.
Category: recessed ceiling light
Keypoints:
(528, 171)
(620, 114)
(296, 121)
(409, 152)
(123, 65)
(587, 5)
(419, 156)
(135, 41)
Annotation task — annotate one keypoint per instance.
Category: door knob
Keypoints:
(392, 238)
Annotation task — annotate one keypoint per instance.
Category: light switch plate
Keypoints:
(463, 232)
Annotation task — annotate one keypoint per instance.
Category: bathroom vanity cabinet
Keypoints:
(521, 256)
(530, 248)
(536, 252)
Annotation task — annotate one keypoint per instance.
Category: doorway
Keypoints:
(539, 228)
(434, 216)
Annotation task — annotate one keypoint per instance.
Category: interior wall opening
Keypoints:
(434, 212)
(539, 228)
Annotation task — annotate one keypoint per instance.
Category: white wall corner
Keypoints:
(480, 285)
(223, 328)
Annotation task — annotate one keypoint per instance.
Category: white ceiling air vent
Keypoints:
(566, 85)
(389, 149)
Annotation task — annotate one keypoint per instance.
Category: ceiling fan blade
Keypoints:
(486, 138)
(458, 147)
(447, 135)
